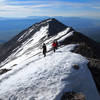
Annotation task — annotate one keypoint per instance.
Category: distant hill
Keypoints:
(11, 27)
(93, 32)
(2, 41)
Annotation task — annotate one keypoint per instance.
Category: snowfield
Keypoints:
(47, 78)
(34, 77)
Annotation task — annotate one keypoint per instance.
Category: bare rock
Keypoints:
(73, 96)
(94, 66)
(2, 71)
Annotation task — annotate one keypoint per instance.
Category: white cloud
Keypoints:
(98, 7)
(77, 4)
(2, 1)
(8, 10)
(50, 8)
(24, 2)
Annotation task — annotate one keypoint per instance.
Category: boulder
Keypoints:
(73, 96)
(2, 71)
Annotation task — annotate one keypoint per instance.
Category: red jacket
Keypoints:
(54, 44)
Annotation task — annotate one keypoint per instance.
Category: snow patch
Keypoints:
(66, 36)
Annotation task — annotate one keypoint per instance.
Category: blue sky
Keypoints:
(69, 8)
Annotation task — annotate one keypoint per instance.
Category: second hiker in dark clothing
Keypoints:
(44, 49)
(55, 45)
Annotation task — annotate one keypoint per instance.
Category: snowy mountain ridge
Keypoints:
(35, 41)
(33, 77)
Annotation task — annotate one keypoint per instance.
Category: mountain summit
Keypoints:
(27, 75)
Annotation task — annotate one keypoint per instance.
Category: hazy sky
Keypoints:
(73, 8)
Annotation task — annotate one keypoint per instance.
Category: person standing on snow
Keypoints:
(44, 49)
(55, 45)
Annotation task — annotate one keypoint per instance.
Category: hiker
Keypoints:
(44, 49)
(55, 45)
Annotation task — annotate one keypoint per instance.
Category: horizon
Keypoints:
(69, 8)
(47, 17)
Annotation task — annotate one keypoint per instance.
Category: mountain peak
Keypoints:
(54, 26)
